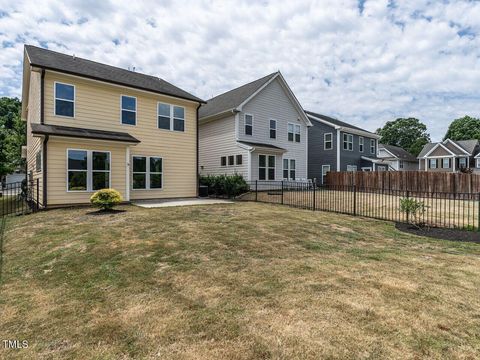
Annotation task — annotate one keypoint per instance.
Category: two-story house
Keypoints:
(258, 130)
(450, 156)
(334, 145)
(92, 126)
(397, 158)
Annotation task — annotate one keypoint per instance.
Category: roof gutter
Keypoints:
(220, 114)
(197, 152)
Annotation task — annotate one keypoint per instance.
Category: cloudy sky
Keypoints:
(365, 62)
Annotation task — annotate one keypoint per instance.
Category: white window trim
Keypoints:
(289, 169)
(267, 167)
(349, 136)
(361, 144)
(443, 163)
(295, 127)
(226, 161)
(121, 109)
(355, 167)
(372, 146)
(430, 164)
(245, 123)
(147, 173)
(478, 162)
(236, 159)
(55, 100)
(270, 129)
(324, 173)
(464, 159)
(89, 170)
(171, 106)
(325, 141)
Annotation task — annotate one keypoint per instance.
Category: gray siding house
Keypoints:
(258, 130)
(334, 145)
(397, 158)
(450, 156)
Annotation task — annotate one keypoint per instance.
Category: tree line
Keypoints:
(411, 134)
(12, 135)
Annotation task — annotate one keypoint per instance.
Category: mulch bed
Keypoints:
(439, 233)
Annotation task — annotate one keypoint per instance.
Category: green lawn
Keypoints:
(238, 281)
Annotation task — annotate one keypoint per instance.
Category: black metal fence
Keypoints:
(19, 198)
(439, 209)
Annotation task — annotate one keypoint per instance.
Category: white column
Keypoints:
(453, 164)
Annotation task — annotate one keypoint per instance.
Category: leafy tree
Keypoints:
(12, 135)
(465, 128)
(408, 133)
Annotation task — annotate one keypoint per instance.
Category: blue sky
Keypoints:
(365, 62)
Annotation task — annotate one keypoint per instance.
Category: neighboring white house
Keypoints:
(397, 158)
(258, 130)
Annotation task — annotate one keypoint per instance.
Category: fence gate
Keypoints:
(19, 198)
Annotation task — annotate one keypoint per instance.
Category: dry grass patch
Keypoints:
(243, 281)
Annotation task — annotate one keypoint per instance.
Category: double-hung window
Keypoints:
(88, 170)
(348, 142)
(147, 172)
(223, 161)
(289, 169)
(433, 163)
(38, 161)
(401, 164)
(129, 110)
(273, 129)
(294, 132)
(462, 163)
(248, 124)
(446, 163)
(328, 141)
(64, 100)
(171, 117)
(266, 167)
(231, 160)
(360, 143)
(372, 146)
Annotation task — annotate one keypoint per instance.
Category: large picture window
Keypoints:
(129, 110)
(147, 172)
(88, 170)
(266, 167)
(64, 100)
(171, 117)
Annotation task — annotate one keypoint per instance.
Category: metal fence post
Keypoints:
(314, 196)
(37, 202)
(256, 190)
(478, 228)
(408, 213)
(354, 200)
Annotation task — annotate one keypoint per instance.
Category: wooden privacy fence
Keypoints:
(422, 181)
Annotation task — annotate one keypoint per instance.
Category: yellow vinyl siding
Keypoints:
(97, 106)
(57, 169)
(34, 144)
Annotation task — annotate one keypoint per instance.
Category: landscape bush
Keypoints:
(414, 209)
(106, 199)
(225, 185)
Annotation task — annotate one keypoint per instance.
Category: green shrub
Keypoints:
(225, 185)
(414, 210)
(106, 199)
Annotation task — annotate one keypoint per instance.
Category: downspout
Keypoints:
(45, 141)
(197, 155)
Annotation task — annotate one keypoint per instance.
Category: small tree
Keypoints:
(414, 210)
(106, 199)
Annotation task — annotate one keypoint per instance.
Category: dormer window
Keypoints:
(64, 100)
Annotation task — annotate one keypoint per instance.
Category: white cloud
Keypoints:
(395, 58)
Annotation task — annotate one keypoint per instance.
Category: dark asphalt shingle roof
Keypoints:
(256, 144)
(53, 60)
(399, 152)
(67, 131)
(468, 145)
(232, 98)
(334, 121)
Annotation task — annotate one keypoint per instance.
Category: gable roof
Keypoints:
(52, 60)
(338, 123)
(398, 152)
(468, 146)
(231, 99)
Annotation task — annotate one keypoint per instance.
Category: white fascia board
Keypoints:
(360, 132)
(436, 146)
(385, 149)
(336, 127)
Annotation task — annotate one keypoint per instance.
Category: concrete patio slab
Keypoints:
(179, 202)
